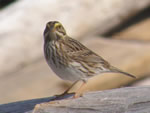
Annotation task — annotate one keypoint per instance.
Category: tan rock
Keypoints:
(139, 31)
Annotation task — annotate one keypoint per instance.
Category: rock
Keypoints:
(124, 100)
(139, 32)
(121, 100)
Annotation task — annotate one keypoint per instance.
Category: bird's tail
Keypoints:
(116, 70)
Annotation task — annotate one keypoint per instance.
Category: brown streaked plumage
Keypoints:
(70, 59)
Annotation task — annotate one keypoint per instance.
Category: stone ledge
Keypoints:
(122, 100)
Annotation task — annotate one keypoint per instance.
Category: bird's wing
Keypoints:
(80, 54)
(90, 61)
(78, 51)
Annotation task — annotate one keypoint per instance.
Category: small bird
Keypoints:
(70, 59)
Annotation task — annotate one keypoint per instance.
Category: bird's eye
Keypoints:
(59, 27)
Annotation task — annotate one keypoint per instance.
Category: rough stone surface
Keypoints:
(122, 100)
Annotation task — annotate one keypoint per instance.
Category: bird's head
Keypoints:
(54, 31)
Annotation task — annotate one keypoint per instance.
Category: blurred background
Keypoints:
(118, 30)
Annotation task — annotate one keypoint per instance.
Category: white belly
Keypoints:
(67, 73)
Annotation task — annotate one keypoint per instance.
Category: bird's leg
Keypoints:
(70, 87)
(58, 97)
(78, 92)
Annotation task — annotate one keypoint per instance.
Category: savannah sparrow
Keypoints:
(71, 60)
